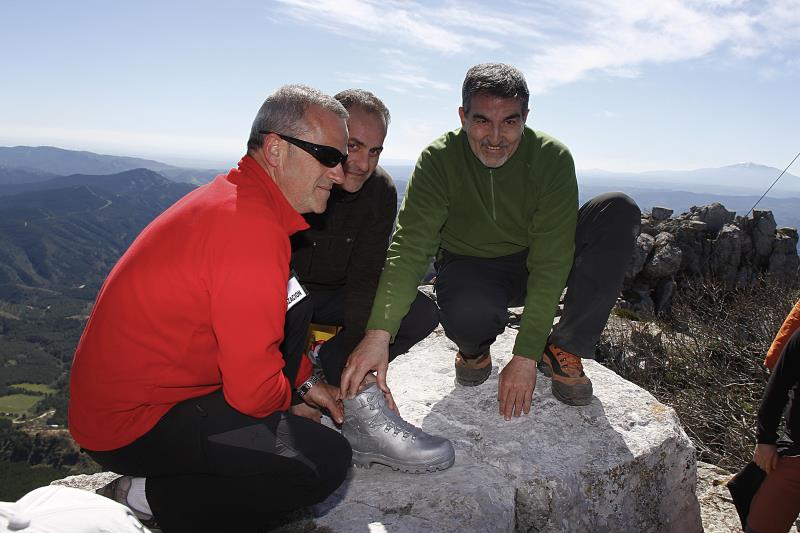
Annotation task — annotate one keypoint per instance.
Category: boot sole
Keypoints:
(366, 460)
(472, 382)
(472, 377)
(570, 399)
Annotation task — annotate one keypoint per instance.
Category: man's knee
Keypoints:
(616, 203)
(473, 321)
(423, 317)
(620, 208)
(610, 219)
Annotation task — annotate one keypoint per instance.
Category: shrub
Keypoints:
(705, 359)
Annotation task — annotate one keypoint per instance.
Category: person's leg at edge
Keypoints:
(776, 505)
(606, 233)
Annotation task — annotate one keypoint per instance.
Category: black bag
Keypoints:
(743, 486)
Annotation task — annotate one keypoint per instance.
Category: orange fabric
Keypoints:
(789, 326)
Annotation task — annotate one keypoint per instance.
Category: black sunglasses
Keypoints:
(327, 155)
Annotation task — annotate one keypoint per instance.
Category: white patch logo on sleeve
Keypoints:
(295, 292)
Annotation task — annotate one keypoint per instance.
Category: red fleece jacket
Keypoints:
(196, 303)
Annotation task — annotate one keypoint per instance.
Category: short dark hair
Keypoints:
(496, 79)
(367, 101)
(284, 112)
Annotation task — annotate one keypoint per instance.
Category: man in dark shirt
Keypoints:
(776, 504)
(339, 260)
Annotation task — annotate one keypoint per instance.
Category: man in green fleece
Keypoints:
(497, 204)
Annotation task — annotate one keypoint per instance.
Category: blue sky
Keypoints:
(652, 84)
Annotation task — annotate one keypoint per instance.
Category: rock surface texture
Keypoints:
(706, 243)
(622, 463)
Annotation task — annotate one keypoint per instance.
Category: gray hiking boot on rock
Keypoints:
(379, 435)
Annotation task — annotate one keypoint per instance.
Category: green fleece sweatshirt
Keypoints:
(456, 203)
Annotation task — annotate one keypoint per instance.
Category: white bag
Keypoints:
(58, 509)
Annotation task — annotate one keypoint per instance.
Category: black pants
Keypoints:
(211, 468)
(421, 320)
(474, 293)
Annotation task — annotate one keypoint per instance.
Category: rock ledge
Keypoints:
(622, 463)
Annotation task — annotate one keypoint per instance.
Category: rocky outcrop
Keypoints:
(622, 463)
(707, 242)
(716, 507)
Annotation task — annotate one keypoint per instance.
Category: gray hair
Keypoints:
(284, 112)
(367, 101)
(495, 79)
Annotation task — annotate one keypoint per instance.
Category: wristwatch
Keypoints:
(303, 389)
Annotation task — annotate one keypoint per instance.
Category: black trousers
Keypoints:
(474, 293)
(211, 468)
(421, 320)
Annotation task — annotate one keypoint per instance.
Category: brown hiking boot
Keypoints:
(570, 384)
(471, 372)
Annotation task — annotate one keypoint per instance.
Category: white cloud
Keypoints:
(406, 75)
(404, 21)
(558, 42)
(619, 37)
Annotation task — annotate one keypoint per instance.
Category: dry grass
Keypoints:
(705, 360)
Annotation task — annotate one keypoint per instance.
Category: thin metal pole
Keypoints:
(773, 184)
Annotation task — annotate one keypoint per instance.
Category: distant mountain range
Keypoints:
(741, 178)
(65, 216)
(25, 164)
(69, 231)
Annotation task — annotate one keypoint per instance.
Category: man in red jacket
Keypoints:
(184, 380)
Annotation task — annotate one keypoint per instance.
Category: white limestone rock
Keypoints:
(717, 509)
(622, 463)
(90, 482)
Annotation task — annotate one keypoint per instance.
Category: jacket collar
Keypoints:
(290, 220)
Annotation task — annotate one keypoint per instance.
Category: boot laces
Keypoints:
(390, 420)
(395, 422)
(569, 361)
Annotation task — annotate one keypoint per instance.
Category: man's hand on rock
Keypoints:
(371, 354)
(515, 387)
(322, 395)
(766, 457)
